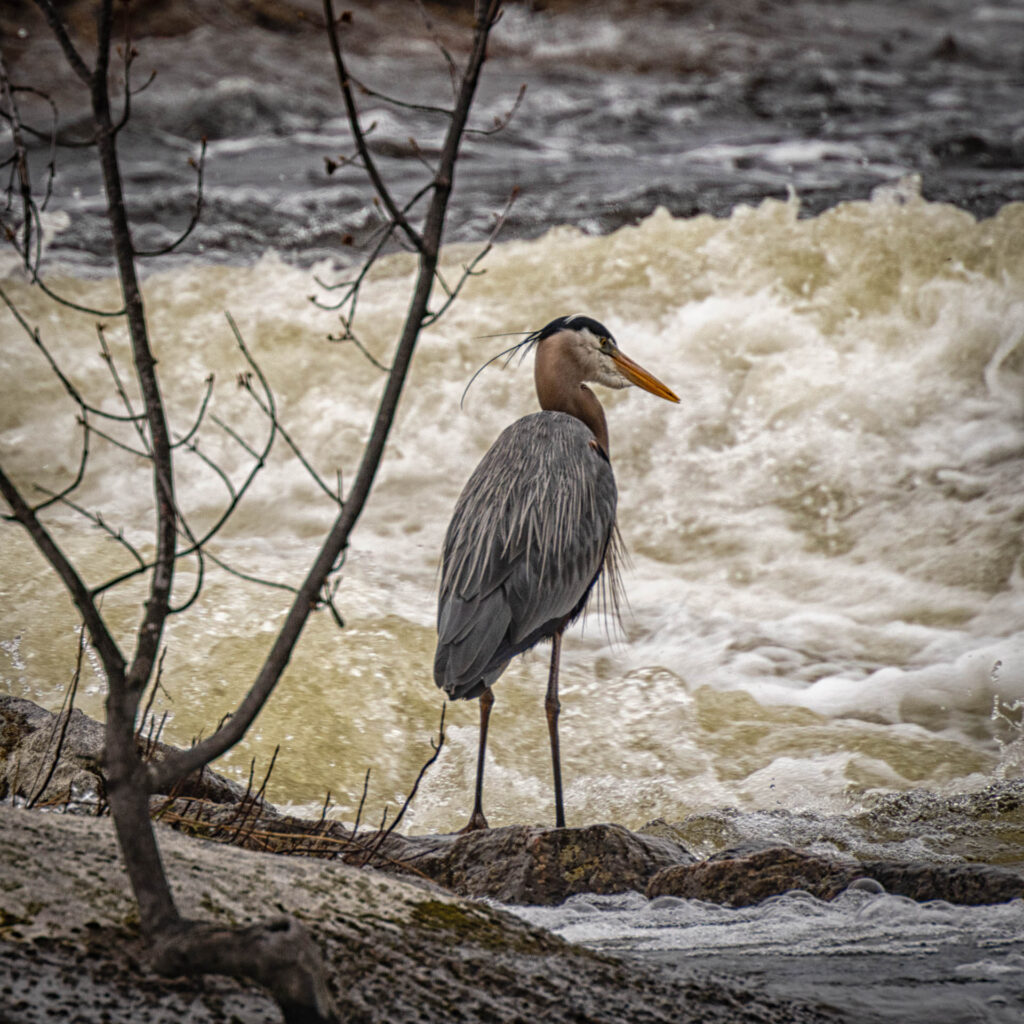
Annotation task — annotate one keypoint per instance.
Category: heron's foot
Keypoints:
(476, 822)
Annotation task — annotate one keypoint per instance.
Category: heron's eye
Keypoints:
(606, 346)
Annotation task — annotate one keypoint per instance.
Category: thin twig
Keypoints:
(259, 461)
(359, 137)
(384, 231)
(194, 448)
(453, 70)
(428, 245)
(186, 438)
(248, 577)
(134, 418)
(72, 391)
(97, 519)
(152, 694)
(83, 460)
(469, 270)
(296, 450)
(60, 31)
(196, 212)
(71, 304)
(63, 719)
(502, 122)
(201, 555)
(394, 101)
(382, 836)
(20, 161)
(349, 336)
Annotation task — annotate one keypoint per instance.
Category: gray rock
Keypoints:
(752, 872)
(524, 864)
(396, 949)
(30, 739)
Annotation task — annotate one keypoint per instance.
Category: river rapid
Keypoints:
(825, 593)
(826, 581)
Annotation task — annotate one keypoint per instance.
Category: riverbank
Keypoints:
(396, 950)
(401, 943)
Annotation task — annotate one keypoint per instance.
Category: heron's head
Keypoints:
(596, 355)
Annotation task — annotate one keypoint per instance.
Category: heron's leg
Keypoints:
(551, 706)
(477, 819)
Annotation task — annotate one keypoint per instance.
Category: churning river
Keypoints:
(826, 590)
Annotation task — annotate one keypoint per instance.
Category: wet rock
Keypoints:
(57, 760)
(971, 884)
(396, 949)
(520, 864)
(742, 877)
(29, 741)
(524, 864)
(985, 826)
(750, 873)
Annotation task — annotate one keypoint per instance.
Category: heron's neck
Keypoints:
(559, 389)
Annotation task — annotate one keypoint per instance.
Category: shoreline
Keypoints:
(405, 943)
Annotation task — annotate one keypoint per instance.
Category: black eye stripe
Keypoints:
(576, 322)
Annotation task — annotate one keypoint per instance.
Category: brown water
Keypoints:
(825, 598)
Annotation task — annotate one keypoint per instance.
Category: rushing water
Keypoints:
(826, 587)
(877, 958)
(693, 106)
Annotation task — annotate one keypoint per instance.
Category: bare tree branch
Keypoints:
(175, 766)
(394, 101)
(349, 336)
(62, 720)
(501, 123)
(436, 747)
(136, 419)
(469, 270)
(297, 982)
(357, 132)
(157, 685)
(453, 71)
(83, 460)
(196, 212)
(71, 390)
(69, 303)
(197, 588)
(103, 641)
(186, 439)
(237, 493)
(20, 161)
(60, 33)
(97, 520)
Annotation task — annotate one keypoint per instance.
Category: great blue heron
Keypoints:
(534, 528)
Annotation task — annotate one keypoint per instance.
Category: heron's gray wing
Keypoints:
(526, 542)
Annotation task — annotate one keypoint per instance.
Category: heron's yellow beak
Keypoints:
(637, 375)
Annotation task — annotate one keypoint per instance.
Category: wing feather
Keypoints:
(527, 541)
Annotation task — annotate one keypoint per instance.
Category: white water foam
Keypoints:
(826, 591)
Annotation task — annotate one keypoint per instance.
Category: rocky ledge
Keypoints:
(524, 865)
(400, 939)
(397, 948)
(519, 864)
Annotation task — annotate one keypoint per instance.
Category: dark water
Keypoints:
(869, 958)
(692, 106)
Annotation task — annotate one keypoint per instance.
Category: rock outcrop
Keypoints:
(31, 770)
(525, 864)
(518, 864)
(396, 949)
(746, 875)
